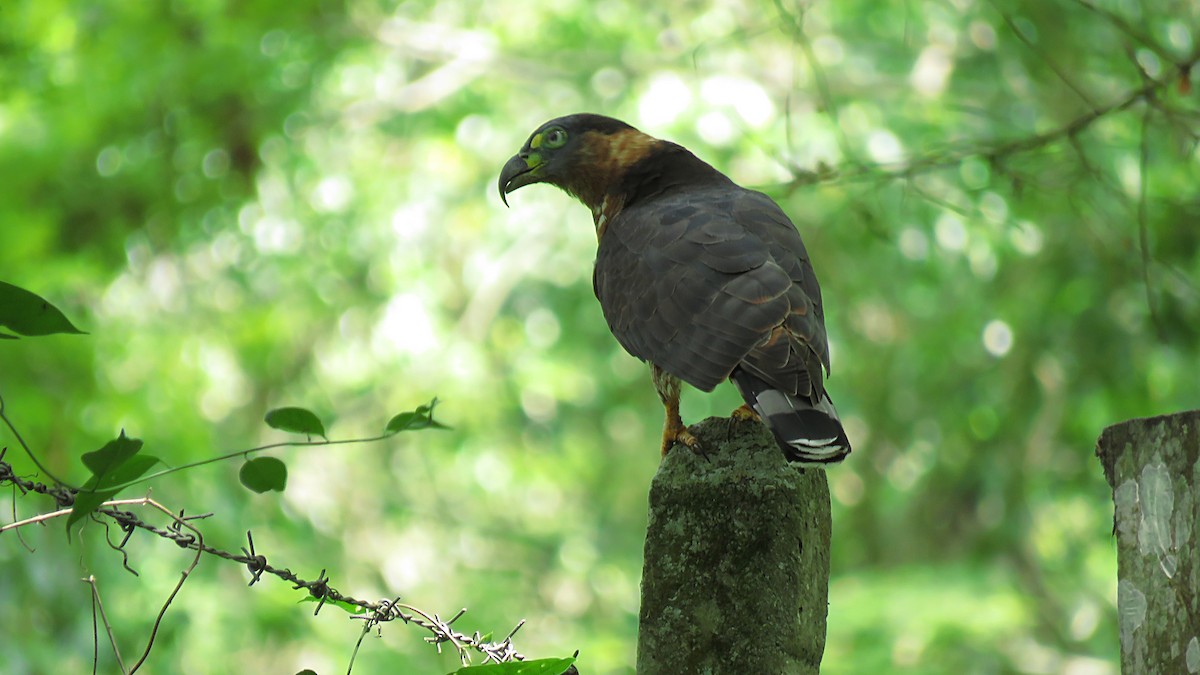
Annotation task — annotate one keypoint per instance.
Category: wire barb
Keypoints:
(257, 564)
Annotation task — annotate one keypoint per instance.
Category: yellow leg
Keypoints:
(674, 431)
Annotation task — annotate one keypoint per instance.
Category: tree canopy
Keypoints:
(254, 205)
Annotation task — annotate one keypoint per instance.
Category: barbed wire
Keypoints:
(185, 535)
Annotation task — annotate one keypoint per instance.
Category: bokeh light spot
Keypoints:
(997, 338)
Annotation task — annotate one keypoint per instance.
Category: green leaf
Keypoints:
(537, 667)
(296, 420)
(114, 453)
(263, 474)
(94, 493)
(113, 465)
(29, 314)
(341, 604)
(421, 418)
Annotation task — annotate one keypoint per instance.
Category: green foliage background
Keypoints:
(250, 205)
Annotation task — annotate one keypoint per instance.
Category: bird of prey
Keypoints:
(701, 278)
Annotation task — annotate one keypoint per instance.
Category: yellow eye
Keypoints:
(555, 138)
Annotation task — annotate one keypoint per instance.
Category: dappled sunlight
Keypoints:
(1026, 238)
(908, 467)
(227, 387)
(950, 233)
(982, 260)
(884, 147)
(715, 128)
(569, 596)
(940, 609)
(263, 208)
(624, 426)
(751, 102)
(332, 194)
(847, 487)
(997, 337)
(410, 558)
(913, 244)
(876, 322)
(346, 359)
(316, 487)
(405, 327)
(664, 100)
(932, 71)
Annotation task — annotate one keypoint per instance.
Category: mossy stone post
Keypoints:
(1153, 467)
(736, 572)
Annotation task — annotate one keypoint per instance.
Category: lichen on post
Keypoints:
(1153, 467)
(736, 572)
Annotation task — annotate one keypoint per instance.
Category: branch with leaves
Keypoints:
(119, 465)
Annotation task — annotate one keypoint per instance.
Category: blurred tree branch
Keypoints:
(995, 153)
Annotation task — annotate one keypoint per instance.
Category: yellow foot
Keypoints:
(744, 413)
(685, 438)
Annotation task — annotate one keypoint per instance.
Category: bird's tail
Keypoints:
(807, 432)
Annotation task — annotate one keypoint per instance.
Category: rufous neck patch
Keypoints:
(603, 161)
(626, 148)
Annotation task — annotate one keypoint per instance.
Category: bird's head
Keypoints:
(584, 154)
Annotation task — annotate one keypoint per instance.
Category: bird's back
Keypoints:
(693, 277)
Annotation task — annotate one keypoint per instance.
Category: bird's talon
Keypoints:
(744, 413)
(688, 440)
(685, 438)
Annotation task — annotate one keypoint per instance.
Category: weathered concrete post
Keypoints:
(1153, 467)
(736, 571)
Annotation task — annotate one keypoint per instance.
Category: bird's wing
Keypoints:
(699, 282)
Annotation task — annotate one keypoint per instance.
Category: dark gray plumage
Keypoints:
(705, 282)
(703, 279)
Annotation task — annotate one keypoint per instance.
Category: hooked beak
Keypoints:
(518, 172)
